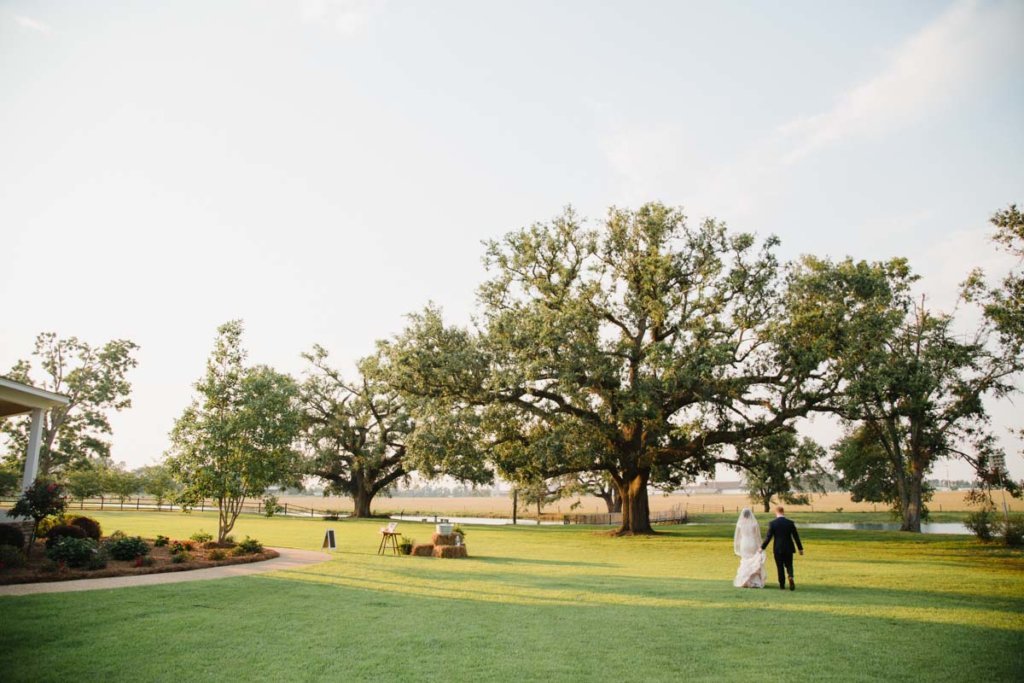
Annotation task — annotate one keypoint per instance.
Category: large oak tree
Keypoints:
(637, 350)
(355, 431)
(915, 384)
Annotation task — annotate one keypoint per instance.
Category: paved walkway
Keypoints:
(289, 558)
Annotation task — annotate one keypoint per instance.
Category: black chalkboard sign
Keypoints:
(329, 542)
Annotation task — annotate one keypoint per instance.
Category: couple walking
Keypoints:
(748, 545)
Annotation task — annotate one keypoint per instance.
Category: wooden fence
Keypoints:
(153, 505)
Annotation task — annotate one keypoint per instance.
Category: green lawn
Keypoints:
(548, 603)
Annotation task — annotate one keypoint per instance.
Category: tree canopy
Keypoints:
(637, 350)
(355, 431)
(780, 465)
(239, 434)
(96, 382)
(915, 384)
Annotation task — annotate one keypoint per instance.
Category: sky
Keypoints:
(321, 169)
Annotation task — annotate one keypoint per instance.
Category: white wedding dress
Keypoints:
(746, 543)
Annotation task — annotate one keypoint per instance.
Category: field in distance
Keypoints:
(499, 506)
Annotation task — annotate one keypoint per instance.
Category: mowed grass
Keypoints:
(547, 603)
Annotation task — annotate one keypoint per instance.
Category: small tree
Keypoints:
(84, 483)
(777, 466)
(157, 481)
(120, 482)
(39, 501)
(237, 438)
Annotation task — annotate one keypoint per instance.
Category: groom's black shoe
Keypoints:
(782, 586)
(792, 586)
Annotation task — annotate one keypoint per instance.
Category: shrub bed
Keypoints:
(80, 558)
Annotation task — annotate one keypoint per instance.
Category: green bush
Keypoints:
(271, 506)
(63, 531)
(1013, 531)
(89, 525)
(217, 555)
(12, 536)
(127, 548)
(74, 552)
(982, 523)
(405, 545)
(161, 541)
(11, 557)
(201, 536)
(178, 558)
(249, 546)
(117, 535)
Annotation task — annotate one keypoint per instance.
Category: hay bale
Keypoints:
(423, 550)
(450, 551)
(443, 539)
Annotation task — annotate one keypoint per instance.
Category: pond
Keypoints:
(935, 528)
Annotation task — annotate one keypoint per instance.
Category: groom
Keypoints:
(784, 533)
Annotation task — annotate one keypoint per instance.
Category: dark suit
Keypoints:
(785, 535)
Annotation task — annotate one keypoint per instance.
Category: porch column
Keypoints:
(35, 433)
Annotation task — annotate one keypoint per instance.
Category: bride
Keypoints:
(746, 543)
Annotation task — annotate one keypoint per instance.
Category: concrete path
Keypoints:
(289, 559)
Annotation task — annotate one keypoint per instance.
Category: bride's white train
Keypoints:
(746, 543)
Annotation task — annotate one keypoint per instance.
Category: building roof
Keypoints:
(16, 398)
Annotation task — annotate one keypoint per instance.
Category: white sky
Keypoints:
(321, 169)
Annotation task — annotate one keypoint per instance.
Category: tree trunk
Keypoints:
(636, 511)
(361, 499)
(767, 502)
(912, 504)
(515, 505)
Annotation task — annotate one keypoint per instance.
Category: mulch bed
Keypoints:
(40, 568)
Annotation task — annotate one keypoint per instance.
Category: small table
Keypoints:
(388, 539)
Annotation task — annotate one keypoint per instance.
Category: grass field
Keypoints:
(547, 603)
